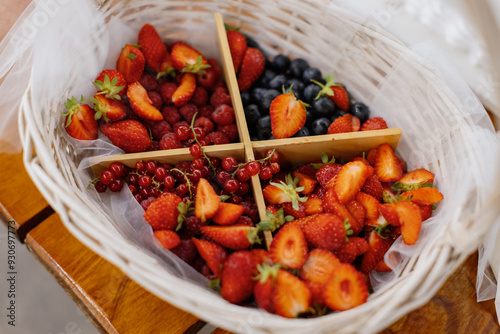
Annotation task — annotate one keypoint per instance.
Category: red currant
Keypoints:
(222, 176)
(155, 192)
(139, 165)
(182, 132)
(144, 192)
(205, 171)
(106, 177)
(266, 173)
(231, 185)
(117, 169)
(253, 168)
(133, 179)
(195, 150)
(198, 163)
(274, 157)
(182, 189)
(236, 199)
(275, 167)
(169, 182)
(199, 132)
(160, 173)
(151, 167)
(133, 189)
(145, 181)
(216, 162)
(100, 187)
(243, 188)
(242, 174)
(116, 185)
(196, 176)
(229, 164)
(138, 197)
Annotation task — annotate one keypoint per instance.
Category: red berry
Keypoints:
(156, 99)
(195, 150)
(231, 185)
(230, 130)
(222, 176)
(160, 173)
(266, 173)
(206, 110)
(148, 81)
(236, 199)
(243, 188)
(275, 167)
(117, 169)
(196, 176)
(200, 96)
(223, 115)
(138, 197)
(205, 171)
(229, 164)
(106, 177)
(133, 189)
(182, 189)
(216, 162)
(145, 181)
(100, 187)
(170, 141)
(207, 79)
(151, 167)
(171, 114)
(275, 156)
(253, 167)
(205, 123)
(166, 90)
(139, 165)
(187, 111)
(159, 128)
(198, 163)
(133, 179)
(217, 138)
(182, 132)
(116, 185)
(220, 96)
(242, 174)
(169, 182)
(199, 132)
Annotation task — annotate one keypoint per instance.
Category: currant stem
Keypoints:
(195, 136)
(188, 182)
(243, 164)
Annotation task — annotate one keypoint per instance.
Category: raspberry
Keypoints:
(223, 115)
(220, 96)
(244, 220)
(160, 128)
(187, 111)
(207, 79)
(204, 123)
(186, 251)
(155, 146)
(251, 211)
(220, 84)
(230, 130)
(213, 64)
(148, 81)
(166, 90)
(170, 141)
(171, 114)
(206, 110)
(145, 203)
(193, 225)
(156, 99)
(217, 138)
(200, 96)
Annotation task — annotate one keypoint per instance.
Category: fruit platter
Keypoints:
(255, 183)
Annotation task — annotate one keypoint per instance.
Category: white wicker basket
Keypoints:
(439, 133)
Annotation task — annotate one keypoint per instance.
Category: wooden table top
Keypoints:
(116, 304)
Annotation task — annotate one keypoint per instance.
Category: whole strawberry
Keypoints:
(163, 213)
(129, 135)
(79, 121)
(252, 66)
(237, 46)
(237, 277)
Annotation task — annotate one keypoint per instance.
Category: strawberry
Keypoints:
(283, 192)
(235, 237)
(237, 277)
(388, 195)
(163, 213)
(376, 123)
(350, 179)
(167, 238)
(288, 115)
(423, 196)
(264, 287)
(410, 220)
(215, 255)
(313, 205)
(353, 248)
(326, 174)
(152, 46)
(373, 187)
(388, 211)
(228, 213)
(141, 103)
(79, 121)
(371, 156)
(336, 92)
(370, 204)
(382, 266)
(356, 124)
(377, 247)
(325, 230)
(316, 289)
(300, 212)
(386, 165)
(425, 211)
(363, 160)
(187, 59)
(111, 84)
(252, 66)
(207, 201)
(185, 90)
(290, 296)
(402, 163)
(289, 247)
(331, 204)
(131, 63)
(261, 257)
(306, 181)
(237, 47)
(341, 124)
(345, 289)
(129, 135)
(166, 67)
(414, 180)
(357, 210)
(319, 266)
(109, 109)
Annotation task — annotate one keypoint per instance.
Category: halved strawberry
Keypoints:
(237, 277)
(414, 180)
(185, 90)
(152, 46)
(386, 165)
(167, 238)
(423, 196)
(370, 204)
(185, 58)
(215, 255)
(326, 174)
(141, 103)
(356, 124)
(388, 211)
(376, 123)
(163, 213)
(251, 68)
(237, 47)
(228, 213)
(350, 179)
(410, 220)
(357, 210)
(425, 211)
(331, 204)
(283, 192)
(207, 201)
(275, 195)
(235, 237)
(376, 251)
(111, 84)
(298, 212)
(79, 121)
(313, 205)
(325, 230)
(264, 287)
(289, 247)
(131, 63)
(341, 124)
(129, 135)
(382, 266)
(319, 266)
(288, 115)
(290, 296)
(109, 109)
(373, 187)
(388, 195)
(353, 248)
(306, 181)
(261, 257)
(345, 289)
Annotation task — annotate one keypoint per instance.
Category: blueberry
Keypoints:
(277, 82)
(339, 112)
(310, 92)
(297, 87)
(303, 132)
(252, 114)
(298, 66)
(263, 122)
(320, 126)
(252, 43)
(309, 118)
(311, 73)
(265, 78)
(265, 134)
(361, 111)
(267, 98)
(323, 107)
(245, 98)
(280, 63)
(257, 94)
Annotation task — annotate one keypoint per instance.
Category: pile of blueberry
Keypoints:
(297, 74)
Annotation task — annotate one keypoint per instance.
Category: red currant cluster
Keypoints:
(111, 178)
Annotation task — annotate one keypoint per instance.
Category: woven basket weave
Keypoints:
(374, 66)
